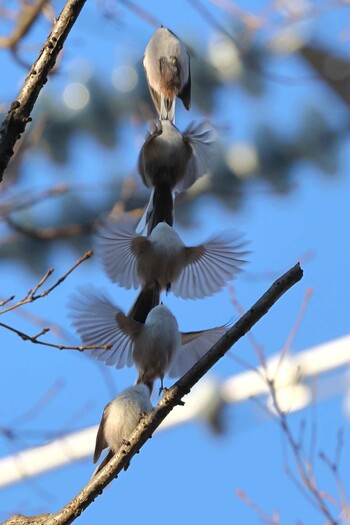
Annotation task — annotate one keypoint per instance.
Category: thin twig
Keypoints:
(50, 234)
(262, 515)
(31, 295)
(40, 404)
(18, 203)
(258, 348)
(35, 339)
(305, 470)
(295, 329)
(142, 13)
(5, 301)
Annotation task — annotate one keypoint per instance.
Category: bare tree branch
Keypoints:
(35, 339)
(32, 295)
(50, 234)
(26, 19)
(307, 481)
(142, 13)
(21, 202)
(19, 114)
(170, 399)
(18, 519)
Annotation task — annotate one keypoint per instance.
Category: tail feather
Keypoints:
(162, 209)
(140, 379)
(103, 463)
(147, 299)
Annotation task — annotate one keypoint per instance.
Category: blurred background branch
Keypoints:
(25, 18)
(19, 115)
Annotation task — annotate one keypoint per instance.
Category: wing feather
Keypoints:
(118, 246)
(94, 317)
(210, 265)
(199, 137)
(194, 346)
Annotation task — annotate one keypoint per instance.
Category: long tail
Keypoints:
(147, 299)
(162, 209)
(103, 463)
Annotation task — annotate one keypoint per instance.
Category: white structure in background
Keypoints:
(293, 393)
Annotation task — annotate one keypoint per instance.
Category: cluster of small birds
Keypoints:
(148, 336)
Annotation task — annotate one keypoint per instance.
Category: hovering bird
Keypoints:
(169, 163)
(167, 67)
(119, 419)
(155, 347)
(162, 261)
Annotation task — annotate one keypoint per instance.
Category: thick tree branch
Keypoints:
(19, 519)
(170, 399)
(19, 114)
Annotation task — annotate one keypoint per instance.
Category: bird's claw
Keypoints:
(163, 389)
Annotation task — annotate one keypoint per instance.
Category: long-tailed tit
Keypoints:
(163, 259)
(155, 347)
(167, 67)
(169, 163)
(119, 419)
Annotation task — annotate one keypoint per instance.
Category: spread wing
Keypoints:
(94, 317)
(119, 249)
(194, 346)
(199, 138)
(209, 265)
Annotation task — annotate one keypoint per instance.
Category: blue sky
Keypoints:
(188, 473)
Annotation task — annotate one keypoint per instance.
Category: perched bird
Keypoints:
(162, 261)
(169, 163)
(119, 419)
(156, 347)
(167, 67)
